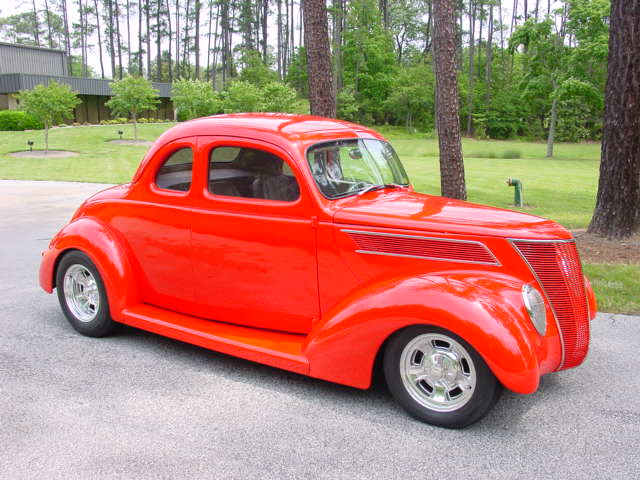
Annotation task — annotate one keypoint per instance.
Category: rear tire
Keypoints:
(439, 378)
(82, 295)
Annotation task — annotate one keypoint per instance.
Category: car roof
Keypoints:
(281, 129)
(288, 126)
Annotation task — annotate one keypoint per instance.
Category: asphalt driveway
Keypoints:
(140, 406)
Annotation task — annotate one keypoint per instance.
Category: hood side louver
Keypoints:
(429, 248)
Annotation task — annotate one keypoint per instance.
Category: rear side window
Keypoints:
(176, 171)
(251, 173)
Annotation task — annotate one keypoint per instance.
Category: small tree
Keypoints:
(194, 98)
(132, 95)
(50, 103)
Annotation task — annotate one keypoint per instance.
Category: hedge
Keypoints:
(15, 120)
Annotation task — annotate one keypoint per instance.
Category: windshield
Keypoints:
(348, 167)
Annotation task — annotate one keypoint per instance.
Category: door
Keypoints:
(156, 226)
(254, 245)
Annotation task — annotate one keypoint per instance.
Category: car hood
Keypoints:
(416, 211)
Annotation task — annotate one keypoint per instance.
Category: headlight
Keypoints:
(534, 303)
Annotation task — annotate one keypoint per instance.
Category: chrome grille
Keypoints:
(557, 267)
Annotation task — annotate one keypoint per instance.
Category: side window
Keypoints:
(251, 173)
(176, 171)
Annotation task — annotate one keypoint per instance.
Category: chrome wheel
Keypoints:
(81, 293)
(437, 372)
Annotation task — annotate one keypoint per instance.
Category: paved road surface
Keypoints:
(144, 407)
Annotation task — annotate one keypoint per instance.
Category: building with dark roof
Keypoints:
(22, 67)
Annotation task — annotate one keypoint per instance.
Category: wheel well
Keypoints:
(377, 372)
(59, 258)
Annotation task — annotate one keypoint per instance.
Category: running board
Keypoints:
(277, 349)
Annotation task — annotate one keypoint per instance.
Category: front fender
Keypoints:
(483, 308)
(101, 244)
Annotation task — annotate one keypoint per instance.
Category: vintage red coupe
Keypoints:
(298, 242)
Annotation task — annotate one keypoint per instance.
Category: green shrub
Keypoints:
(194, 98)
(143, 120)
(242, 96)
(278, 97)
(512, 153)
(347, 105)
(122, 120)
(17, 120)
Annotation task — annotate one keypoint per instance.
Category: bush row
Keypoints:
(117, 121)
(17, 120)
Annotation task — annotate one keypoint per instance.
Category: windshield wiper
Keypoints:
(372, 188)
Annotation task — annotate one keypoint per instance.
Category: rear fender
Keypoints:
(101, 244)
(484, 309)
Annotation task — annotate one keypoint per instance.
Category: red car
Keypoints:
(298, 242)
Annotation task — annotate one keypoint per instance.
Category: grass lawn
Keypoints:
(562, 188)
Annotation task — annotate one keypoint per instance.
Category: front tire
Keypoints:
(82, 295)
(438, 377)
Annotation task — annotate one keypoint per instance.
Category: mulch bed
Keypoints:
(131, 142)
(43, 154)
(596, 249)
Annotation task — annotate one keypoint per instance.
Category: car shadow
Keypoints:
(509, 413)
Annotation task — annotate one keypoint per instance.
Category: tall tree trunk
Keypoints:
(216, 37)
(186, 64)
(178, 70)
(36, 24)
(111, 49)
(279, 38)
(452, 182)
(119, 37)
(479, 61)
(148, 37)
(384, 11)
(427, 34)
(67, 38)
(301, 39)
(552, 122)
(158, 42)
(472, 42)
(197, 39)
(265, 19)
(460, 34)
(128, 36)
(292, 32)
(489, 57)
(48, 17)
(170, 66)
(321, 94)
(285, 39)
(338, 19)
(514, 17)
(225, 47)
(209, 41)
(501, 35)
(617, 212)
(526, 10)
(95, 4)
(83, 38)
(140, 38)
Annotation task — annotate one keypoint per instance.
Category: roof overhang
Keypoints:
(15, 82)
